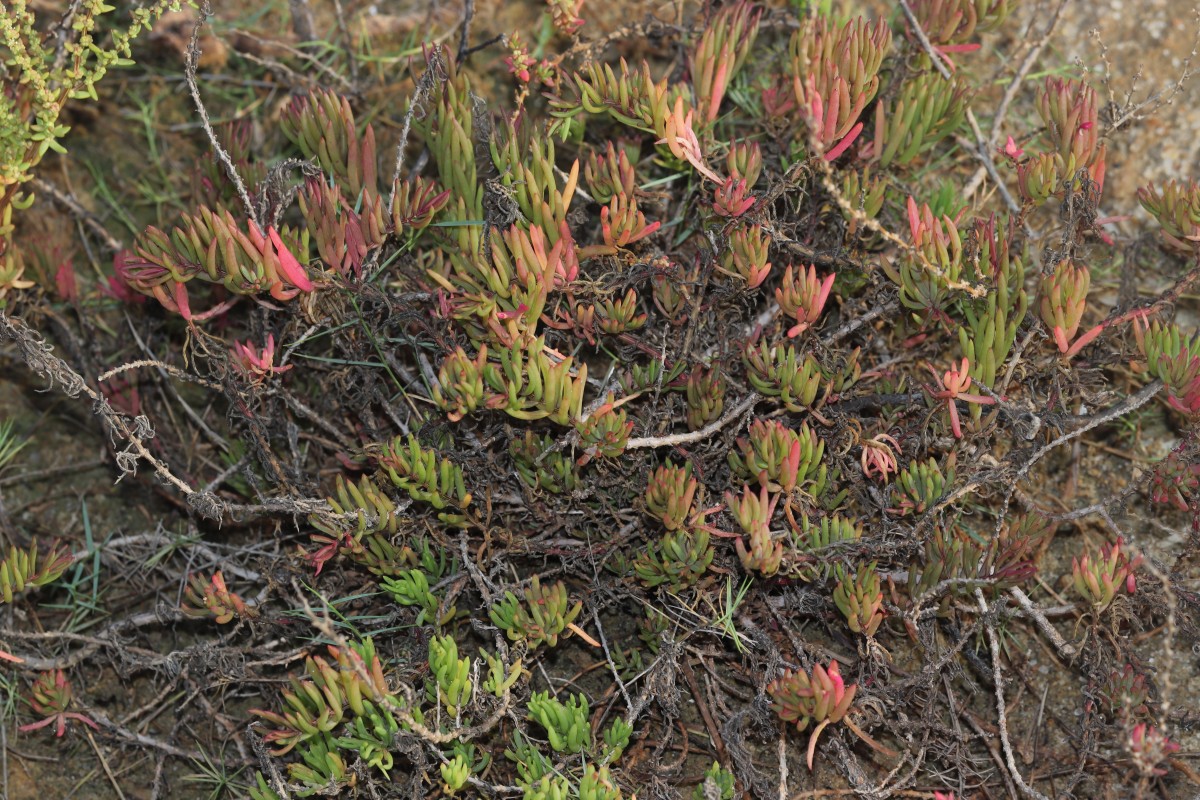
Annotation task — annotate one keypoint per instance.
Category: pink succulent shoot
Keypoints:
(564, 256)
(681, 138)
(288, 264)
(914, 218)
(1150, 747)
(803, 297)
(120, 284)
(255, 365)
(319, 558)
(621, 223)
(1011, 151)
(514, 314)
(845, 143)
(65, 282)
(953, 385)
(757, 276)
(1083, 341)
(732, 198)
(1189, 402)
(778, 101)
(826, 122)
(838, 701)
(969, 47)
(173, 297)
(1098, 580)
(1114, 556)
(824, 119)
(926, 228)
(51, 698)
(839, 684)
(879, 457)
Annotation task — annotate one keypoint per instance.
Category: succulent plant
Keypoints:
(802, 297)
(311, 708)
(450, 684)
(719, 54)
(1175, 360)
(950, 24)
(321, 767)
(705, 396)
(213, 599)
(860, 599)
(719, 784)
(1069, 111)
(820, 697)
(952, 386)
(950, 560)
(541, 466)
(419, 472)
(566, 724)
(986, 339)
(322, 125)
(604, 433)
(411, 588)
(1038, 178)
(598, 784)
(753, 513)
(540, 616)
(580, 248)
(609, 174)
(1098, 580)
(345, 232)
(27, 569)
(1176, 480)
(211, 247)
(747, 255)
(781, 458)
(834, 75)
(620, 316)
(669, 494)
(1063, 301)
(51, 697)
(455, 773)
(370, 736)
(777, 371)
(1176, 206)
(732, 199)
(1125, 694)
(622, 224)
(920, 485)
(819, 544)
(744, 162)
(927, 108)
(1150, 748)
(679, 559)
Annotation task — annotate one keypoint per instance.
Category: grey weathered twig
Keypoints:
(1064, 649)
(189, 72)
(1002, 706)
(435, 71)
(676, 439)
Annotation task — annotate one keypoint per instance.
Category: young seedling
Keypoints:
(952, 387)
(51, 697)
